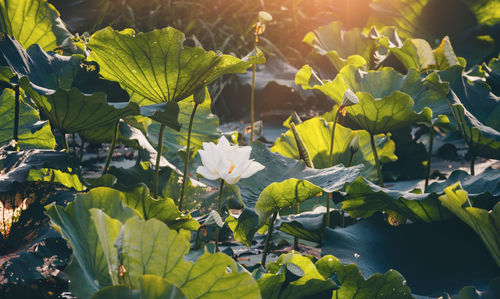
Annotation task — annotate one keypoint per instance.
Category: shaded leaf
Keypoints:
(16, 166)
(485, 223)
(451, 249)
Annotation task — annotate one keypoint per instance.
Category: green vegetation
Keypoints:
(117, 180)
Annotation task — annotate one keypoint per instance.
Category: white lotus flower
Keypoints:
(227, 162)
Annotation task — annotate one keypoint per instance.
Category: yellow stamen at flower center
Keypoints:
(231, 169)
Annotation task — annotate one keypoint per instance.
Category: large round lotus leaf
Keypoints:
(353, 285)
(33, 133)
(89, 268)
(316, 134)
(482, 140)
(294, 276)
(434, 258)
(151, 287)
(387, 99)
(33, 22)
(340, 46)
(425, 19)
(157, 66)
(476, 97)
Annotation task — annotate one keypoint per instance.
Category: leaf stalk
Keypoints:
(219, 210)
(158, 158)
(112, 148)
(188, 154)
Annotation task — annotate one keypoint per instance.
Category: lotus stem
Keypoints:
(331, 164)
(16, 114)
(252, 104)
(333, 137)
(472, 164)
(219, 210)
(188, 154)
(296, 239)
(66, 146)
(429, 159)
(268, 239)
(112, 148)
(377, 161)
(158, 158)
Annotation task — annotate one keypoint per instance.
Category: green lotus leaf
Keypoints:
(33, 22)
(418, 54)
(151, 287)
(476, 96)
(294, 276)
(391, 284)
(424, 19)
(311, 225)
(284, 194)
(450, 248)
(205, 129)
(89, 269)
(165, 210)
(157, 66)
(485, 184)
(386, 98)
(486, 11)
(33, 133)
(16, 165)
(48, 71)
(363, 199)
(209, 275)
(470, 292)
(69, 180)
(341, 46)
(492, 74)
(485, 223)
(482, 141)
(73, 111)
(316, 134)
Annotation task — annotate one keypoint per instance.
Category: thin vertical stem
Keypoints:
(429, 159)
(296, 239)
(377, 161)
(472, 163)
(219, 210)
(331, 164)
(333, 137)
(268, 239)
(252, 104)
(112, 148)
(158, 158)
(16, 114)
(188, 154)
(66, 142)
